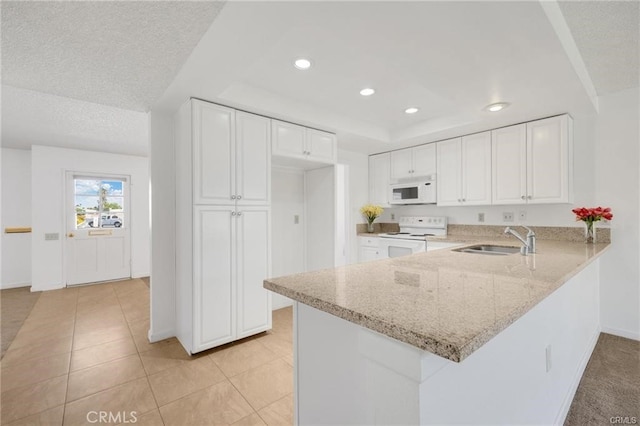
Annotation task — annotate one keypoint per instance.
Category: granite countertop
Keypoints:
(445, 302)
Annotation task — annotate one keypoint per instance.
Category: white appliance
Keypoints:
(415, 192)
(412, 237)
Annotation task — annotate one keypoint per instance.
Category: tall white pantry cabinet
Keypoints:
(223, 195)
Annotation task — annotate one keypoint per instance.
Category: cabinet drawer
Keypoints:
(368, 241)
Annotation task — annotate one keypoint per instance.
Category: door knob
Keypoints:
(71, 235)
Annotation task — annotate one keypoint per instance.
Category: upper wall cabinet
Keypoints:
(297, 142)
(379, 179)
(413, 162)
(464, 170)
(533, 162)
(231, 156)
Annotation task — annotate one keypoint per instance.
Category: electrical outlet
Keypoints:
(522, 215)
(480, 217)
(393, 216)
(296, 219)
(507, 216)
(547, 353)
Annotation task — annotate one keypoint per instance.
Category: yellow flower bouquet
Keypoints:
(371, 212)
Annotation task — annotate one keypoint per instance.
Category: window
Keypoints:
(99, 203)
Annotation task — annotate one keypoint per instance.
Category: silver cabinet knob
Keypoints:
(523, 197)
(529, 197)
(233, 197)
(239, 197)
(233, 213)
(464, 199)
(239, 213)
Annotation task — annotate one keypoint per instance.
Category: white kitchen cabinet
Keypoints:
(464, 170)
(222, 229)
(550, 160)
(533, 162)
(231, 155)
(413, 162)
(298, 142)
(379, 179)
(368, 248)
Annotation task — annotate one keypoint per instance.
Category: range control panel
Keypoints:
(439, 222)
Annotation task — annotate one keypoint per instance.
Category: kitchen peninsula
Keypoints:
(445, 336)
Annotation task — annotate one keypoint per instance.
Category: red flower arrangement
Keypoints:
(589, 216)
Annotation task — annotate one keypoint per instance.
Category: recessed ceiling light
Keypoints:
(411, 110)
(367, 92)
(302, 64)
(499, 106)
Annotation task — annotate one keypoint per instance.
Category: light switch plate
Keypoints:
(507, 216)
(53, 236)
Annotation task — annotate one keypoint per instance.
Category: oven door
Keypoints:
(394, 247)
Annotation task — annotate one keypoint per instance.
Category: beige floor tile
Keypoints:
(46, 348)
(152, 418)
(280, 413)
(218, 404)
(100, 321)
(288, 359)
(251, 420)
(125, 288)
(266, 384)
(104, 376)
(37, 335)
(51, 417)
(37, 370)
(137, 314)
(133, 396)
(174, 383)
(277, 344)
(31, 399)
(100, 336)
(47, 318)
(99, 354)
(242, 357)
(163, 356)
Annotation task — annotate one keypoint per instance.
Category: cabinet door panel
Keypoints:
(449, 157)
(379, 177)
(213, 153)
(321, 146)
(476, 169)
(424, 159)
(509, 152)
(401, 164)
(213, 295)
(287, 139)
(254, 260)
(547, 160)
(253, 159)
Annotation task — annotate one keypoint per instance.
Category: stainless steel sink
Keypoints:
(489, 249)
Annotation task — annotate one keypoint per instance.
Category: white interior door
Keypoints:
(98, 230)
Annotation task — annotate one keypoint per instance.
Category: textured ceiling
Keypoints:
(35, 118)
(122, 54)
(607, 36)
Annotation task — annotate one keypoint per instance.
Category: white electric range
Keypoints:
(412, 237)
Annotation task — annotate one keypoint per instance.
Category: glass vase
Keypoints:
(370, 227)
(590, 233)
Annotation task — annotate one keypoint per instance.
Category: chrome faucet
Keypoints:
(528, 245)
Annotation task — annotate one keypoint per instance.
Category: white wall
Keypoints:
(287, 237)
(48, 167)
(16, 212)
(163, 241)
(358, 194)
(617, 177)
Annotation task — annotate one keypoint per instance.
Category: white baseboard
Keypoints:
(566, 404)
(622, 333)
(138, 274)
(54, 286)
(156, 337)
(14, 285)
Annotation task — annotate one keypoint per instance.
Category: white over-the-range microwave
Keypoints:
(421, 191)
